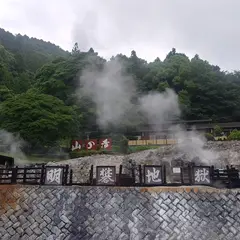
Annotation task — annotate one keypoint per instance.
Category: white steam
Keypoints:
(112, 91)
(192, 143)
(160, 108)
(12, 145)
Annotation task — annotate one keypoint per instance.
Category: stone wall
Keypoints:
(45, 212)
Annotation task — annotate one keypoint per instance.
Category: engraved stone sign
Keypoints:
(106, 175)
(54, 176)
(153, 175)
(201, 175)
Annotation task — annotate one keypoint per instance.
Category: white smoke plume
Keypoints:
(112, 91)
(191, 143)
(11, 145)
(160, 108)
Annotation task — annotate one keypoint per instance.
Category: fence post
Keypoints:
(181, 175)
(120, 174)
(91, 176)
(228, 173)
(140, 174)
(65, 182)
(42, 180)
(212, 173)
(133, 175)
(70, 177)
(24, 175)
(190, 174)
(164, 175)
(14, 175)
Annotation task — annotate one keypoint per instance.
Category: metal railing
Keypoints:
(146, 175)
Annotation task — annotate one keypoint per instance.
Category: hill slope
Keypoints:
(30, 53)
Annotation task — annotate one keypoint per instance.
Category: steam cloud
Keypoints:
(112, 91)
(12, 145)
(160, 108)
(192, 143)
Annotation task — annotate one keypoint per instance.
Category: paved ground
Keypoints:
(118, 213)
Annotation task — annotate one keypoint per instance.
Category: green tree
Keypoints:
(37, 72)
(75, 49)
(162, 86)
(30, 53)
(5, 93)
(39, 118)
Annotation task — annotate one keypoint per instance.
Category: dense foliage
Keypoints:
(29, 53)
(234, 135)
(38, 83)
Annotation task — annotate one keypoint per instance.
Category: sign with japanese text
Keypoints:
(76, 145)
(153, 175)
(106, 143)
(91, 144)
(201, 175)
(54, 175)
(176, 170)
(106, 175)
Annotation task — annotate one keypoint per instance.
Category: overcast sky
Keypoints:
(209, 28)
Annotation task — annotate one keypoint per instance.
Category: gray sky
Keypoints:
(150, 27)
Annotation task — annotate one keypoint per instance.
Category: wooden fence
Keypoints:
(146, 175)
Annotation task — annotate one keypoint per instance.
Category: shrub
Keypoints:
(217, 131)
(133, 149)
(123, 145)
(120, 143)
(84, 153)
(234, 135)
(132, 137)
(209, 137)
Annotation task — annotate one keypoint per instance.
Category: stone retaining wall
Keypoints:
(118, 213)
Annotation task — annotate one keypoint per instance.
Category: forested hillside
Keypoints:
(30, 53)
(38, 83)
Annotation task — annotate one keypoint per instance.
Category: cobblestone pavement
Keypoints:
(118, 213)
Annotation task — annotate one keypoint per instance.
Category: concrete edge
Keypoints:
(157, 189)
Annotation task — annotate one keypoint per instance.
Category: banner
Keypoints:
(91, 144)
(76, 145)
(106, 143)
